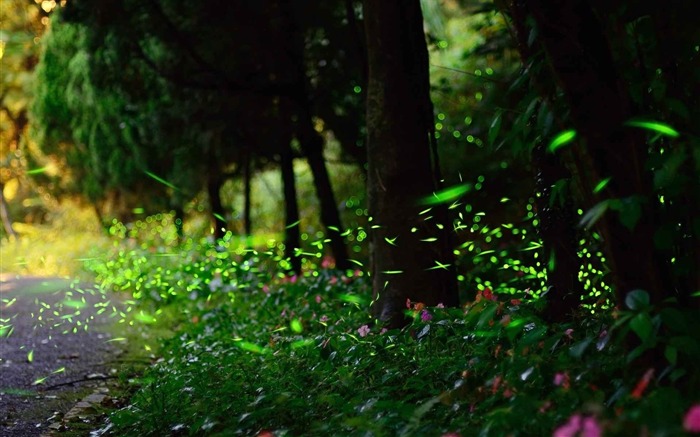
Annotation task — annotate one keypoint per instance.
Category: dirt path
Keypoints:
(46, 367)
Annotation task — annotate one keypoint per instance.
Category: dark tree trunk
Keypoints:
(581, 60)
(179, 223)
(247, 175)
(218, 213)
(100, 217)
(291, 210)
(676, 51)
(558, 237)
(311, 142)
(399, 122)
(556, 219)
(313, 148)
(5, 214)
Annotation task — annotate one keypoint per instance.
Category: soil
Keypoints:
(57, 353)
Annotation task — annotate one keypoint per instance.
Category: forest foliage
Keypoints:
(379, 217)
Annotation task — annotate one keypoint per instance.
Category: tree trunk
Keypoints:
(247, 227)
(5, 215)
(399, 121)
(558, 237)
(311, 142)
(556, 219)
(214, 184)
(291, 210)
(330, 217)
(179, 223)
(581, 60)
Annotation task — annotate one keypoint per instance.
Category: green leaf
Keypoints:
(630, 210)
(446, 195)
(671, 354)
(654, 126)
(423, 332)
(30, 356)
(495, 128)
(594, 214)
(302, 343)
(562, 140)
(579, 348)
(642, 325)
(533, 336)
(637, 300)
(487, 315)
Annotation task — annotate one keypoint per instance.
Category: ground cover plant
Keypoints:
(256, 351)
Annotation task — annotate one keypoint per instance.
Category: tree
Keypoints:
(228, 68)
(410, 254)
(634, 173)
(23, 25)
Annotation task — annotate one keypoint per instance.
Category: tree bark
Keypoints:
(330, 217)
(5, 214)
(179, 223)
(556, 219)
(291, 210)
(558, 237)
(399, 121)
(214, 184)
(311, 142)
(247, 175)
(582, 62)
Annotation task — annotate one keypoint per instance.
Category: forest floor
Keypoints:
(49, 373)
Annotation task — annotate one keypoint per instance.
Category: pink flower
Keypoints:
(328, 262)
(425, 316)
(363, 330)
(293, 279)
(334, 280)
(451, 434)
(561, 379)
(568, 332)
(440, 305)
(384, 330)
(570, 428)
(318, 298)
(579, 426)
(591, 428)
(691, 421)
(323, 319)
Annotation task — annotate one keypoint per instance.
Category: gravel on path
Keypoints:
(54, 350)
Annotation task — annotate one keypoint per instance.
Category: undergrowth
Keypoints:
(258, 352)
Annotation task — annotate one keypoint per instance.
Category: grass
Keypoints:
(54, 249)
